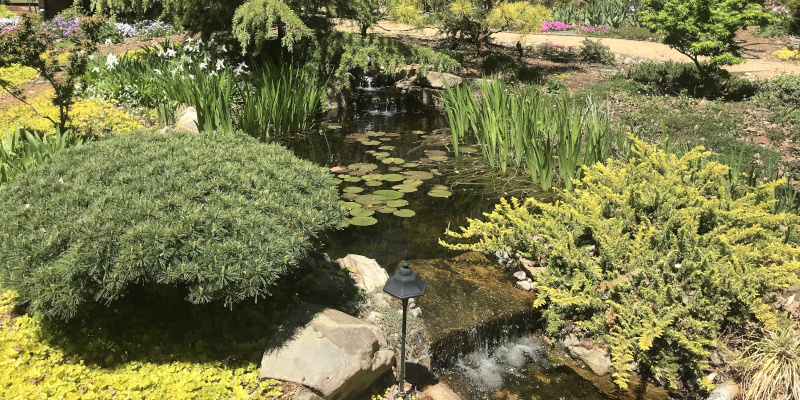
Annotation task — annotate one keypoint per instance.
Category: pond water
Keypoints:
(356, 144)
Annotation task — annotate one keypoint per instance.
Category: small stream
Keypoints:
(481, 348)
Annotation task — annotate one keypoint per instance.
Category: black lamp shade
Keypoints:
(405, 284)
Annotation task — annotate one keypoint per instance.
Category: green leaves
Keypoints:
(217, 214)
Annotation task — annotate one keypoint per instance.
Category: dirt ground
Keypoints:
(757, 51)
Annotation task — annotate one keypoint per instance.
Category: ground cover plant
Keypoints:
(216, 215)
(654, 272)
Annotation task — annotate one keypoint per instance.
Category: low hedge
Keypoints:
(219, 216)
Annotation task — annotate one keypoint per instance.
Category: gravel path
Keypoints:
(758, 63)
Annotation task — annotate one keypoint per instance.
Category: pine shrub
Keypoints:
(674, 78)
(651, 257)
(217, 215)
(596, 52)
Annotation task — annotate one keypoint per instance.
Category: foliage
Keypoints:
(546, 133)
(651, 257)
(19, 153)
(15, 75)
(556, 52)
(780, 96)
(31, 45)
(673, 78)
(786, 54)
(704, 28)
(614, 13)
(40, 362)
(88, 117)
(773, 366)
(596, 52)
(6, 13)
(217, 216)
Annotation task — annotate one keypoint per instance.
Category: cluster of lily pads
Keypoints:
(401, 177)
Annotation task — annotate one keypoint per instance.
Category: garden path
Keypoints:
(758, 51)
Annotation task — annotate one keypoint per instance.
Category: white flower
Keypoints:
(220, 64)
(91, 57)
(203, 65)
(191, 76)
(161, 52)
(213, 73)
(108, 41)
(171, 53)
(174, 71)
(111, 61)
(158, 71)
(241, 69)
(190, 40)
(96, 69)
(199, 40)
(224, 49)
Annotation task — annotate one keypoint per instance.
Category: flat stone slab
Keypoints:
(335, 355)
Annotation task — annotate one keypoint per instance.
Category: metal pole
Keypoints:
(402, 392)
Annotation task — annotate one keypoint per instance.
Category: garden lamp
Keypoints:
(404, 284)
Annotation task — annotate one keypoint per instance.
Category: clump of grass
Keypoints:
(773, 366)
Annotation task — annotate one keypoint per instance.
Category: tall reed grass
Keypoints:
(22, 150)
(550, 135)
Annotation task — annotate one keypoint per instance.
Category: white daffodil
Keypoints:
(190, 40)
(213, 73)
(220, 64)
(108, 41)
(111, 61)
(161, 52)
(203, 65)
(174, 71)
(91, 57)
(171, 53)
(158, 71)
(224, 49)
(96, 69)
(241, 69)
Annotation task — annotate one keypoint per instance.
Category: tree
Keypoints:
(477, 20)
(703, 28)
(60, 61)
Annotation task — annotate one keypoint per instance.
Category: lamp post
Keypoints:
(404, 284)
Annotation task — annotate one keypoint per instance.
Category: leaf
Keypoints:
(404, 213)
(439, 193)
(363, 221)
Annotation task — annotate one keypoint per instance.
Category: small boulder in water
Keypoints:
(524, 285)
(520, 275)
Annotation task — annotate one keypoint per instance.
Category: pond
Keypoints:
(383, 149)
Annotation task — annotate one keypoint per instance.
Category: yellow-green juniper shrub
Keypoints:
(652, 257)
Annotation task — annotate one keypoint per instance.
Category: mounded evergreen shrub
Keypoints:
(651, 257)
(217, 215)
(674, 78)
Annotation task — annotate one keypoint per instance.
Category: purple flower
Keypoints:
(8, 22)
(632, 9)
(60, 27)
(126, 30)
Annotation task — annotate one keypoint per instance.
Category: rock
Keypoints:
(334, 354)
(416, 312)
(439, 391)
(595, 357)
(187, 121)
(524, 285)
(326, 286)
(306, 394)
(368, 275)
(520, 275)
(727, 390)
(437, 80)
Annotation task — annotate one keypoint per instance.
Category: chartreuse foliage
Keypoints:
(650, 257)
(218, 216)
(38, 364)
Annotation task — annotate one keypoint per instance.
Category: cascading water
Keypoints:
(376, 94)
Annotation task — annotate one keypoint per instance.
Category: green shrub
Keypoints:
(596, 52)
(782, 91)
(19, 153)
(673, 78)
(652, 257)
(498, 63)
(219, 216)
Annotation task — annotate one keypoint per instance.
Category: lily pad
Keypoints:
(349, 205)
(363, 166)
(386, 210)
(336, 181)
(349, 196)
(370, 142)
(405, 188)
(383, 154)
(439, 193)
(397, 203)
(405, 213)
(372, 177)
(393, 134)
(412, 182)
(358, 173)
(395, 169)
(363, 221)
(389, 194)
(418, 132)
(334, 127)
(339, 169)
(440, 187)
(418, 175)
(371, 199)
(353, 189)
(373, 183)
(394, 177)
(375, 134)
(386, 148)
(357, 136)
(361, 212)
(468, 150)
(410, 165)
(439, 158)
(351, 179)
(393, 160)
(434, 153)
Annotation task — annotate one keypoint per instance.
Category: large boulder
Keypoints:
(727, 390)
(187, 121)
(436, 80)
(594, 356)
(366, 272)
(334, 354)
(439, 391)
